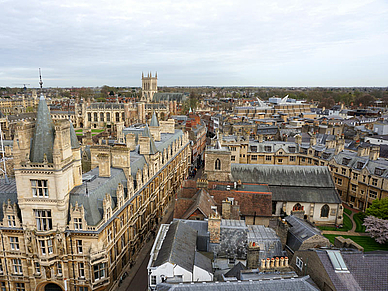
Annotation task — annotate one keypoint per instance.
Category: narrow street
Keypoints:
(137, 276)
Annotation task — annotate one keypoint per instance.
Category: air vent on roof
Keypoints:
(88, 178)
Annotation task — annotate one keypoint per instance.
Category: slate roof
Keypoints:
(7, 191)
(204, 202)
(235, 271)
(178, 246)
(93, 202)
(73, 137)
(179, 97)
(295, 284)
(203, 262)
(43, 140)
(266, 238)
(367, 271)
(154, 120)
(289, 182)
(299, 232)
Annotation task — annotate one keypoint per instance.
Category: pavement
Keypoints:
(349, 232)
(137, 279)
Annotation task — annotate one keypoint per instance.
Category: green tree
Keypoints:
(379, 209)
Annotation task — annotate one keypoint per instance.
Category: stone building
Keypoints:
(360, 175)
(61, 230)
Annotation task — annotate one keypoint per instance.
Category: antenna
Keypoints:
(40, 82)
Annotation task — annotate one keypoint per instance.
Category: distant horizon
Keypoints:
(280, 43)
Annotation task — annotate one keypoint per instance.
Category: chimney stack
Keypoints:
(214, 227)
(253, 255)
(104, 164)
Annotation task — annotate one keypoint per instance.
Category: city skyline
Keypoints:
(202, 43)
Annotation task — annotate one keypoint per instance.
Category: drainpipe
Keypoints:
(5, 262)
(347, 192)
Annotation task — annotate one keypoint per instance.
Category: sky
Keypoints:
(194, 43)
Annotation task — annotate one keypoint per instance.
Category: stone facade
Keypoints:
(50, 234)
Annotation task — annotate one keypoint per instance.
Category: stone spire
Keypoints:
(43, 140)
(73, 137)
(154, 120)
(147, 133)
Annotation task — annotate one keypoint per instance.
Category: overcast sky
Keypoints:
(194, 42)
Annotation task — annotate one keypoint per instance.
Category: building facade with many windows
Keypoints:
(61, 230)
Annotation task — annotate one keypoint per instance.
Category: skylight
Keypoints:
(337, 261)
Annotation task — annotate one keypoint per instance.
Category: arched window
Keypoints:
(325, 210)
(297, 206)
(217, 164)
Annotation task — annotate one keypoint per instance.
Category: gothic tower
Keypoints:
(149, 86)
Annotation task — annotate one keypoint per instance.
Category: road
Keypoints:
(140, 280)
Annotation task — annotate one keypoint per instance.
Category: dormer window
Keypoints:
(379, 171)
(345, 161)
(254, 149)
(360, 165)
(11, 220)
(291, 149)
(267, 148)
(39, 188)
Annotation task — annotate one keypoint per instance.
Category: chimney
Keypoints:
(261, 138)
(226, 209)
(363, 151)
(104, 164)
(281, 262)
(262, 267)
(253, 256)
(235, 211)
(286, 262)
(130, 140)
(214, 227)
(298, 139)
(374, 153)
(267, 263)
(313, 140)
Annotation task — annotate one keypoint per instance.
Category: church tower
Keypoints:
(149, 86)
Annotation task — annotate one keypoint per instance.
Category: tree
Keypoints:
(377, 228)
(379, 209)
(365, 100)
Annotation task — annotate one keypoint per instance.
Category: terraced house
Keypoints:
(61, 230)
(359, 174)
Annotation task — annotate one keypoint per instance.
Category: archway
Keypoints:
(52, 287)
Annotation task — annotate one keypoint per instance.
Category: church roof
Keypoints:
(43, 140)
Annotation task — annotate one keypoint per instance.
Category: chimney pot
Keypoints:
(281, 262)
(277, 262)
(286, 262)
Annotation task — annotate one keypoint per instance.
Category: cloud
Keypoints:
(90, 43)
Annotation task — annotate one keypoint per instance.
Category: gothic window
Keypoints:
(117, 117)
(39, 188)
(297, 206)
(325, 210)
(217, 164)
(95, 117)
(89, 116)
(43, 220)
(78, 223)
(108, 117)
(101, 116)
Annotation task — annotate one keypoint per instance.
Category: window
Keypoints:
(352, 198)
(117, 117)
(81, 270)
(291, 149)
(17, 266)
(20, 287)
(50, 246)
(345, 161)
(309, 160)
(11, 220)
(43, 220)
(267, 148)
(360, 165)
(59, 268)
(355, 176)
(37, 268)
(1, 267)
(78, 223)
(338, 180)
(326, 155)
(39, 188)
(372, 194)
(99, 271)
(253, 148)
(3, 288)
(268, 158)
(232, 158)
(14, 243)
(362, 192)
(254, 158)
(379, 171)
(299, 263)
(42, 245)
(82, 288)
(343, 171)
(89, 116)
(101, 116)
(374, 182)
(153, 280)
(79, 246)
(303, 159)
(292, 158)
(354, 188)
(280, 161)
(217, 165)
(316, 153)
(46, 245)
(108, 117)
(95, 117)
(233, 149)
(109, 235)
(325, 210)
